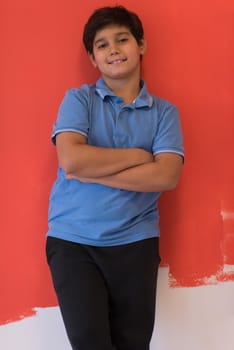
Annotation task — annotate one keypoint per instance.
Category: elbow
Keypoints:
(171, 183)
(66, 168)
(163, 185)
(69, 167)
(171, 186)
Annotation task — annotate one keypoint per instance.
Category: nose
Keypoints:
(114, 52)
(114, 49)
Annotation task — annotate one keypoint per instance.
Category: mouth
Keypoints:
(117, 61)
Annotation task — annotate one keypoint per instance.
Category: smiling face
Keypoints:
(116, 53)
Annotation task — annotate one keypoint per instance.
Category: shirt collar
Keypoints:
(144, 99)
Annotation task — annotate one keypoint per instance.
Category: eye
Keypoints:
(101, 46)
(122, 40)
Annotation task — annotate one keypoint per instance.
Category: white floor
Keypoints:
(200, 318)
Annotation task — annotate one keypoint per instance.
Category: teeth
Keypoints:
(117, 61)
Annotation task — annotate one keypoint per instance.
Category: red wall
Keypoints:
(189, 61)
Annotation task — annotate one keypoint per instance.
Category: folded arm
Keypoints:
(80, 160)
(162, 174)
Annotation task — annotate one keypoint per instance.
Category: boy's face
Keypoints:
(116, 52)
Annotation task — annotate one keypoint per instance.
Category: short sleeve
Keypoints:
(73, 113)
(169, 136)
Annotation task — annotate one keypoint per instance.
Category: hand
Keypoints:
(146, 156)
(71, 177)
(81, 179)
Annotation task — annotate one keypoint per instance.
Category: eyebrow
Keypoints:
(116, 35)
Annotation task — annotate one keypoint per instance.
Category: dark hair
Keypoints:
(105, 16)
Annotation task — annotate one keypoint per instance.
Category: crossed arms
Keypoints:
(131, 169)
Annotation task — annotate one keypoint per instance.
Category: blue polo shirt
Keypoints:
(99, 215)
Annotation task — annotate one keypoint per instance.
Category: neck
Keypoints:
(128, 90)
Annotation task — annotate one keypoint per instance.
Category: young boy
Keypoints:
(118, 148)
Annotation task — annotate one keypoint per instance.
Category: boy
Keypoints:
(118, 148)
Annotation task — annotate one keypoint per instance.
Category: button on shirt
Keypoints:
(99, 215)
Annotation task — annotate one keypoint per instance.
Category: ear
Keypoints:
(142, 46)
(92, 59)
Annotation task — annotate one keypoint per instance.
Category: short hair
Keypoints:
(105, 16)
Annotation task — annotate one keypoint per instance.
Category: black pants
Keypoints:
(106, 294)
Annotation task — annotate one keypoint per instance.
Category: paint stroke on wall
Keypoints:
(189, 60)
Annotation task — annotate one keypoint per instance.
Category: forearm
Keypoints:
(150, 177)
(139, 179)
(78, 158)
(90, 161)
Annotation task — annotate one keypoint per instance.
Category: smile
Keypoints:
(117, 61)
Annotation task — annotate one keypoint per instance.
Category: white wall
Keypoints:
(200, 318)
